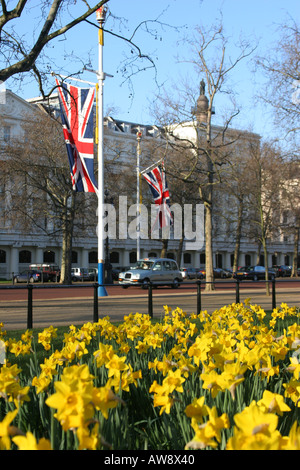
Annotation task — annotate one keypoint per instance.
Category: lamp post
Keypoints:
(107, 265)
(138, 136)
(100, 16)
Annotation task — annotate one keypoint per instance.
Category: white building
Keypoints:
(18, 249)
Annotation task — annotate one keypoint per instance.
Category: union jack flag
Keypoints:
(157, 182)
(76, 105)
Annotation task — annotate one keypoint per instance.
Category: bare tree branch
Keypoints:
(28, 58)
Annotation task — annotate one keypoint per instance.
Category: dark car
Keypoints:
(282, 270)
(228, 273)
(254, 273)
(222, 273)
(189, 273)
(28, 276)
(219, 273)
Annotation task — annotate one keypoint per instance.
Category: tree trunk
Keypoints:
(264, 244)
(238, 237)
(67, 243)
(163, 253)
(295, 253)
(208, 249)
(179, 252)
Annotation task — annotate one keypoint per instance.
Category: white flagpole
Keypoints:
(151, 166)
(101, 12)
(138, 251)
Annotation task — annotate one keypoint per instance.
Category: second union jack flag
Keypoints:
(76, 106)
(157, 182)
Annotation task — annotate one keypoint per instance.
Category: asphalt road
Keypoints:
(65, 306)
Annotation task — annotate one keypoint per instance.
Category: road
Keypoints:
(59, 306)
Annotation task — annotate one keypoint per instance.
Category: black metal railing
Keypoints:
(199, 285)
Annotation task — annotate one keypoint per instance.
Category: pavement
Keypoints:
(76, 306)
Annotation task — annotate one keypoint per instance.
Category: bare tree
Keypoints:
(265, 174)
(20, 57)
(188, 121)
(282, 90)
(29, 53)
(290, 203)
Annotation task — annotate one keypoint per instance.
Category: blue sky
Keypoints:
(256, 19)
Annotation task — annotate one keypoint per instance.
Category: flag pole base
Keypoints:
(102, 292)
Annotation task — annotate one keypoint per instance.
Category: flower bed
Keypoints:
(228, 380)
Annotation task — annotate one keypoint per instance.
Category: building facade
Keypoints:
(19, 248)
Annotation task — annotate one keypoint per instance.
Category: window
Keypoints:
(132, 257)
(93, 257)
(187, 259)
(6, 133)
(171, 255)
(219, 260)
(74, 257)
(114, 257)
(49, 256)
(152, 254)
(167, 265)
(25, 256)
(170, 265)
(157, 266)
(248, 260)
(2, 256)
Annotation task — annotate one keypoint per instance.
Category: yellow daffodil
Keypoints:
(29, 442)
(292, 391)
(254, 420)
(73, 397)
(273, 403)
(292, 441)
(6, 430)
(164, 401)
(197, 409)
(173, 381)
(41, 383)
(116, 365)
(88, 440)
(104, 399)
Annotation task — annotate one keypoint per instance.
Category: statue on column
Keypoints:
(202, 87)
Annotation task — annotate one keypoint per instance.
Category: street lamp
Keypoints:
(100, 16)
(107, 264)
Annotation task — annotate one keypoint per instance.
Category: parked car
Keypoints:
(218, 273)
(158, 271)
(189, 273)
(51, 272)
(255, 273)
(221, 273)
(282, 270)
(80, 274)
(116, 271)
(228, 273)
(28, 276)
(93, 274)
